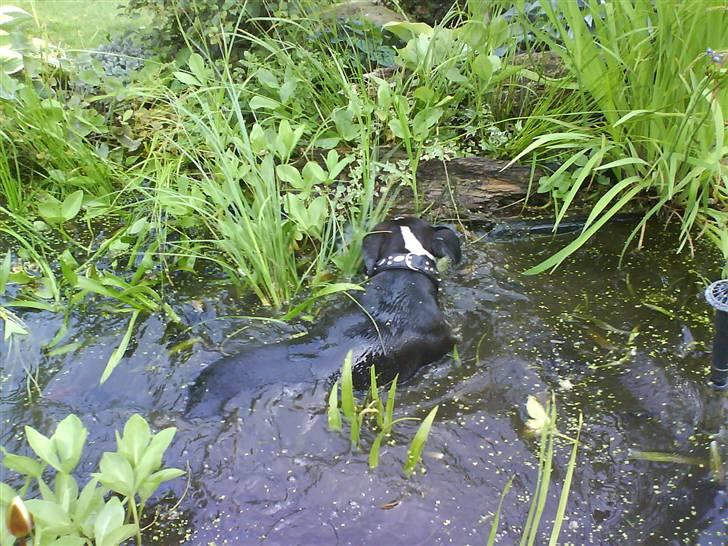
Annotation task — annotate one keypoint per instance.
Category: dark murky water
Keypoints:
(275, 474)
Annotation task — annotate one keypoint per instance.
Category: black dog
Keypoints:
(397, 326)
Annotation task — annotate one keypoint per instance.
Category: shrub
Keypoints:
(207, 21)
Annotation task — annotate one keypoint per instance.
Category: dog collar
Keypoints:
(413, 262)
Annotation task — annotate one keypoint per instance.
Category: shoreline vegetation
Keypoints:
(256, 143)
(217, 141)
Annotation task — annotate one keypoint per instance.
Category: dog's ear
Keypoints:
(446, 242)
(371, 248)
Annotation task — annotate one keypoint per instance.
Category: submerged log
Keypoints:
(476, 189)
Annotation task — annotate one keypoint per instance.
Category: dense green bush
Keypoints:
(206, 22)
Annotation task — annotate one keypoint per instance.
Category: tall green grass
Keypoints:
(655, 115)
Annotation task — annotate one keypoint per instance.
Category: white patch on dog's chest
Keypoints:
(412, 244)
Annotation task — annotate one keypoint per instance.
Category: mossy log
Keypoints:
(476, 189)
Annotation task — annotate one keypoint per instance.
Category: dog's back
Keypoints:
(397, 325)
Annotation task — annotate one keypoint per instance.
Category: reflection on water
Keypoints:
(627, 347)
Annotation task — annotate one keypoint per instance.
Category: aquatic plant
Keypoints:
(63, 514)
(542, 420)
(652, 116)
(375, 412)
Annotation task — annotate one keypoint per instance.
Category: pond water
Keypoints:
(273, 473)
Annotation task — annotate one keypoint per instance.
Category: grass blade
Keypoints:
(389, 411)
(496, 518)
(374, 451)
(564, 497)
(115, 357)
(348, 405)
(334, 415)
(414, 453)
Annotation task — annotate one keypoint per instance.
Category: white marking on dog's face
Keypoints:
(412, 244)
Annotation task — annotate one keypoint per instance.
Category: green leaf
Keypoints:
(10, 61)
(12, 16)
(89, 501)
(288, 90)
(23, 465)
(151, 461)
(152, 483)
(538, 418)
(116, 474)
(72, 205)
(43, 447)
(399, 129)
(68, 439)
(556, 259)
(258, 139)
(48, 515)
(186, 78)
(344, 120)
(565, 488)
(348, 404)
(110, 518)
(50, 210)
(355, 431)
(267, 78)
(485, 65)
(7, 494)
(374, 390)
(4, 272)
(496, 518)
(197, 67)
(71, 539)
(414, 453)
(259, 102)
(389, 409)
(374, 451)
(119, 535)
(135, 440)
(406, 30)
(66, 490)
(424, 94)
(423, 122)
(287, 139)
(118, 353)
(313, 173)
(333, 413)
(68, 267)
(290, 174)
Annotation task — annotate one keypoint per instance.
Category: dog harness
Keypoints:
(413, 262)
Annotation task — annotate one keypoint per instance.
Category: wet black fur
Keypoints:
(410, 329)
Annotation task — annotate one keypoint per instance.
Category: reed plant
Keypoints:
(652, 118)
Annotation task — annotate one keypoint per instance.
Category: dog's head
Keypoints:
(405, 235)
